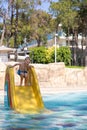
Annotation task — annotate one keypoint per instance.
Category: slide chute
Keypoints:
(23, 99)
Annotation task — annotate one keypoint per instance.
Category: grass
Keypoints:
(77, 67)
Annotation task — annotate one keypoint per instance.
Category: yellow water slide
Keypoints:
(24, 99)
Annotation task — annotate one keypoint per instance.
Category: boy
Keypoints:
(23, 70)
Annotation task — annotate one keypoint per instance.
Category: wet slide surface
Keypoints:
(23, 99)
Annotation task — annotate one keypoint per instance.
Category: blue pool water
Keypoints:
(69, 113)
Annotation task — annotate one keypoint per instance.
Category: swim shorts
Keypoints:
(19, 72)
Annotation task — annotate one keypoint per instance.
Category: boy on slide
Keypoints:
(23, 70)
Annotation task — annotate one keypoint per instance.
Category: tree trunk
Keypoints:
(68, 37)
(3, 32)
(16, 27)
(38, 42)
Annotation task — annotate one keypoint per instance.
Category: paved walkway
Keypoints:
(55, 90)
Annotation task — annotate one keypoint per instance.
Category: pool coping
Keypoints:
(59, 90)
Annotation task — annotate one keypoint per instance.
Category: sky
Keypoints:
(45, 5)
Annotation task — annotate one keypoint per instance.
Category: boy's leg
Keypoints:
(26, 81)
(21, 80)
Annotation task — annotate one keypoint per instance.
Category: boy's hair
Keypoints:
(27, 58)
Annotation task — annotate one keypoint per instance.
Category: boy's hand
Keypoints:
(10, 66)
(30, 66)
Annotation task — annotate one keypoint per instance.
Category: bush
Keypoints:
(39, 54)
(47, 55)
(64, 55)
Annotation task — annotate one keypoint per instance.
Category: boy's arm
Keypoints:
(15, 65)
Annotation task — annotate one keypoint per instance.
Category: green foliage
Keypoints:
(39, 54)
(47, 55)
(11, 42)
(64, 55)
(25, 19)
(50, 55)
(40, 26)
(65, 13)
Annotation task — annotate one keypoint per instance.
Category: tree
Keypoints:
(83, 17)
(40, 26)
(64, 13)
(15, 9)
(3, 15)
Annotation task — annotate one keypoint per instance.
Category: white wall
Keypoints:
(3, 57)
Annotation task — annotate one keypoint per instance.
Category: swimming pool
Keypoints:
(69, 113)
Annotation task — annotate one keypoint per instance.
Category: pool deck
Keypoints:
(56, 90)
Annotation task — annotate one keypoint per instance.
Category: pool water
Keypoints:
(69, 113)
